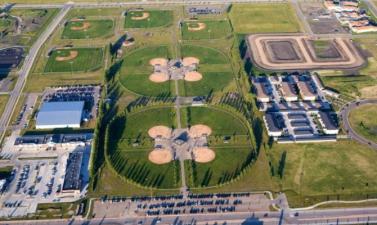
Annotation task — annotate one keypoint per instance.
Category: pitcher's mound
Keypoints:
(158, 62)
(144, 16)
(188, 61)
(199, 130)
(158, 77)
(72, 55)
(84, 26)
(196, 26)
(160, 132)
(193, 76)
(203, 155)
(160, 156)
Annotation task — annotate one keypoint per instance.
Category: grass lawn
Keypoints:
(131, 161)
(140, 84)
(364, 121)
(324, 169)
(88, 59)
(137, 124)
(227, 165)
(94, 29)
(214, 29)
(264, 18)
(135, 72)
(3, 102)
(229, 124)
(156, 18)
(204, 54)
(350, 85)
(5, 23)
(211, 82)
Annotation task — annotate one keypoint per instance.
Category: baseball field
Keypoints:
(148, 19)
(205, 29)
(74, 60)
(87, 29)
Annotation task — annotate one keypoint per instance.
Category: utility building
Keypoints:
(60, 115)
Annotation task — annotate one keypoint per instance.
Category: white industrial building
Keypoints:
(60, 115)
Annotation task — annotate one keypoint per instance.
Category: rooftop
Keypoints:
(60, 113)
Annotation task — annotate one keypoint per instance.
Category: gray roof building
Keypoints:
(60, 115)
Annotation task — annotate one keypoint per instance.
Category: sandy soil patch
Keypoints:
(160, 131)
(193, 76)
(158, 77)
(369, 92)
(199, 130)
(158, 62)
(188, 61)
(198, 26)
(160, 156)
(203, 155)
(84, 26)
(144, 16)
(72, 55)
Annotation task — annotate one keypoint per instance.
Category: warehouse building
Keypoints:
(60, 115)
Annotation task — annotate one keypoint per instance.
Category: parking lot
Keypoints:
(177, 205)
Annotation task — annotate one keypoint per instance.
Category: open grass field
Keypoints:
(227, 165)
(132, 161)
(3, 102)
(213, 29)
(364, 122)
(87, 59)
(350, 85)
(325, 169)
(135, 72)
(264, 18)
(153, 18)
(5, 23)
(204, 54)
(87, 29)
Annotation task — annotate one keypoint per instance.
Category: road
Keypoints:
(25, 70)
(328, 216)
(344, 115)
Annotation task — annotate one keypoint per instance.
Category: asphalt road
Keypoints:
(25, 70)
(344, 114)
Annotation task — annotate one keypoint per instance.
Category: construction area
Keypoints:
(300, 52)
(296, 109)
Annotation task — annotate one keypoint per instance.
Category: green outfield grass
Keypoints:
(214, 29)
(221, 122)
(204, 54)
(88, 59)
(264, 18)
(211, 82)
(364, 121)
(132, 161)
(227, 165)
(156, 18)
(95, 29)
(135, 72)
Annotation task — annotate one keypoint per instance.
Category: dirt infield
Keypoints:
(188, 61)
(196, 26)
(203, 155)
(193, 76)
(160, 132)
(84, 26)
(158, 62)
(158, 77)
(160, 156)
(144, 16)
(72, 55)
(199, 130)
(299, 53)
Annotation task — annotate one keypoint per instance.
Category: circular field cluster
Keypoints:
(214, 69)
(133, 155)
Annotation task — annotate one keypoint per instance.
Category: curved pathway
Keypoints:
(344, 115)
